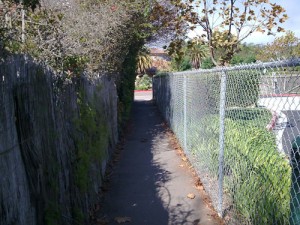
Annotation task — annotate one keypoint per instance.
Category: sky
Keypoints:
(293, 23)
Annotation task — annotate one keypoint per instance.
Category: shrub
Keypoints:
(243, 88)
(207, 64)
(143, 83)
(257, 176)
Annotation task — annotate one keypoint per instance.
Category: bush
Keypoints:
(161, 74)
(242, 88)
(207, 64)
(143, 83)
(257, 176)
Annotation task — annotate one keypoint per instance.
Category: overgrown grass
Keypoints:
(257, 176)
(251, 117)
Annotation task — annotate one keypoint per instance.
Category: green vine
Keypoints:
(91, 140)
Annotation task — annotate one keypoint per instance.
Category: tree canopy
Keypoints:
(97, 34)
(226, 23)
(196, 52)
(90, 34)
(27, 3)
(286, 46)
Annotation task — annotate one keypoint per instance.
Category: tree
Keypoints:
(144, 61)
(181, 64)
(97, 33)
(27, 3)
(207, 63)
(163, 22)
(197, 51)
(226, 23)
(246, 54)
(286, 46)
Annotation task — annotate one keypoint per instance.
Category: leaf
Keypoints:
(184, 159)
(102, 221)
(191, 196)
(123, 219)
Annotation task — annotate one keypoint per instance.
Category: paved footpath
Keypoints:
(148, 186)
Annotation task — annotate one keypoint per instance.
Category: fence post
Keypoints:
(153, 87)
(23, 22)
(221, 142)
(184, 113)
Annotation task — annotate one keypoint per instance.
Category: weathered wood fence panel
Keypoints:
(55, 137)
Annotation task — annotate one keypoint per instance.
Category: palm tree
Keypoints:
(143, 61)
(197, 52)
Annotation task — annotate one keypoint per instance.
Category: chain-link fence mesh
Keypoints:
(240, 127)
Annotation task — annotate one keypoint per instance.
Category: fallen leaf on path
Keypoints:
(184, 159)
(191, 196)
(122, 219)
(102, 221)
(199, 187)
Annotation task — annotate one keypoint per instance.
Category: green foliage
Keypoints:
(181, 64)
(257, 176)
(52, 214)
(177, 50)
(243, 89)
(161, 74)
(144, 60)
(252, 117)
(90, 35)
(126, 87)
(287, 46)
(246, 54)
(27, 3)
(226, 24)
(197, 51)
(239, 60)
(74, 65)
(207, 64)
(91, 140)
(78, 216)
(143, 83)
(188, 55)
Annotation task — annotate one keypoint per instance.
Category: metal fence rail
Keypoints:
(240, 127)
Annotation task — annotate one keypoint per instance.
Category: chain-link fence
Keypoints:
(240, 127)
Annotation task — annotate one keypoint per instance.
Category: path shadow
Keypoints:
(137, 187)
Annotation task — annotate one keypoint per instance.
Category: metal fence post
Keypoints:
(221, 142)
(23, 22)
(160, 90)
(184, 113)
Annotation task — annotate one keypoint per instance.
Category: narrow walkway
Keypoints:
(148, 186)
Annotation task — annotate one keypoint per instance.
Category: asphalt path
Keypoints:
(148, 186)
(291, 129)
